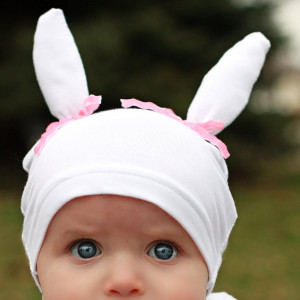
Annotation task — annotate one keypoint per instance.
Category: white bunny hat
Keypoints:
(153, 156)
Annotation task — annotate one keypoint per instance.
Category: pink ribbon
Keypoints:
(89, 105)
(92, 102)
(203, 129)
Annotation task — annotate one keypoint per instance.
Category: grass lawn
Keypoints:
(261, 260)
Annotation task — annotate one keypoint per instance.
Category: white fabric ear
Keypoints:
(58, 65)
(225, 90)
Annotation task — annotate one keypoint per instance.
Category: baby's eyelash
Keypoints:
(164, 251)
(71, 245)
(172, 243)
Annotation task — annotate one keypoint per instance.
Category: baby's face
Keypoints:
(113, 247)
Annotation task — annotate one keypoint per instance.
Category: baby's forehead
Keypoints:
(114, 208)
(108, 215)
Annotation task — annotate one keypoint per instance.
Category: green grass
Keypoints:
(261, 260)
(15, 280)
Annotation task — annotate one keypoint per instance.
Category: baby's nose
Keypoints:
(124, 278)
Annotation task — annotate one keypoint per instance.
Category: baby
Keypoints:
(130, 203)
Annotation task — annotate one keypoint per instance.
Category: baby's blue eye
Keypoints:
(85, 249)
(163, 251)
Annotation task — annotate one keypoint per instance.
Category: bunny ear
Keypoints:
(225, 90)
(58, 65)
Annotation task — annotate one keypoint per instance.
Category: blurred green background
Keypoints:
(159, 51)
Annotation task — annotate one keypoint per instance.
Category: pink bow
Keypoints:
(89, 105)
(203, 129)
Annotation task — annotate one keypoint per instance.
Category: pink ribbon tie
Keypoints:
(205, 130)
(89, 105)
(92, 102)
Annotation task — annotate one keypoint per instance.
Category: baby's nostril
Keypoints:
(133, 291)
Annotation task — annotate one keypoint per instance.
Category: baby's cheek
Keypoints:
(188, 285)
(59, 280)
(187, 292)
(65, 286)
(193, 283)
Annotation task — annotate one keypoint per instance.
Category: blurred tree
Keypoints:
(151, 50)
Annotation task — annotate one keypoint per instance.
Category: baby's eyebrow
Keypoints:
(77, 233)
(150, 233)
(162, 233)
